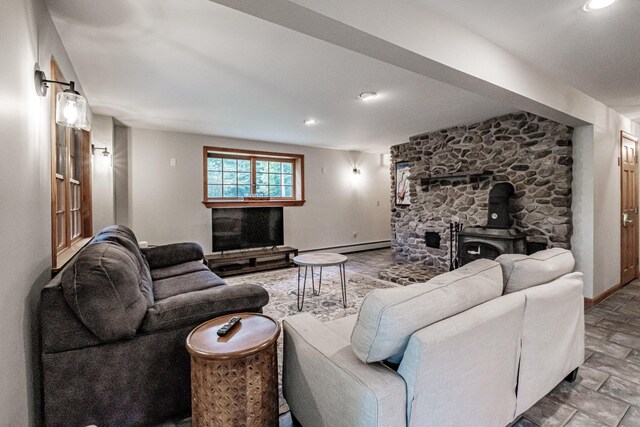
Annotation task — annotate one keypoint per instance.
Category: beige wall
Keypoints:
(102, 177)
(27, 36)
(166, 200)
(582, 204)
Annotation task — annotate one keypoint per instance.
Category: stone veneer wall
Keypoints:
(531, 152)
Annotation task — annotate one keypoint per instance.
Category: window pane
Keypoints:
(75, 197)
(262, 179)
(262, 166)
(274, 179)
(75, 224)
(229, 164)
(214, 177)
(214, 164)
(60, 228)
(274, 191)
(244, 178)
(230, 191)
(288, 191)
(244, 191)
(244, 165)
(287, 179)
(215, 191)
(262, 191)
(61, 150)
(76, 155)
(60, 202)
(274, 167)
(230, 178)
(287, 168)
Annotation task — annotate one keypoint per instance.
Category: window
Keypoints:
(252, 178)
(71, 224)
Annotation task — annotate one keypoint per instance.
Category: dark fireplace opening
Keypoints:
(432, 239)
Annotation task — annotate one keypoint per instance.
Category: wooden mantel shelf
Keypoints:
(469, 176)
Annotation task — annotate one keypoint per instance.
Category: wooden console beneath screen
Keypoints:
(232, 263)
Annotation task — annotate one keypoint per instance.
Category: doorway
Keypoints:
(629, 208)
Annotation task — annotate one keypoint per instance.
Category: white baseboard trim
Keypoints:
(345, 249)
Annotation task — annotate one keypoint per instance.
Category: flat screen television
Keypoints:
(245, 228)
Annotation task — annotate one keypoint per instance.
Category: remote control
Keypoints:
(228, 326)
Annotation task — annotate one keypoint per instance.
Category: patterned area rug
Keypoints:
(406, 274)
(282, 287)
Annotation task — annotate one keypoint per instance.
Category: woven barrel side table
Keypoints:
(234, 379)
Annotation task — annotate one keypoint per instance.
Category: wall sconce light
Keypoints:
(356, 171)
(71, 107)
(105, 150)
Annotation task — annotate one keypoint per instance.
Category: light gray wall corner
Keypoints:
(582, 188)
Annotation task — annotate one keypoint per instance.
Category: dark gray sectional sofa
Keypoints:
(113, 328)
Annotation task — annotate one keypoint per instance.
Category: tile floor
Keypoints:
(607, 391)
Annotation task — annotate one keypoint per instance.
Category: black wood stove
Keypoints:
(497, 237)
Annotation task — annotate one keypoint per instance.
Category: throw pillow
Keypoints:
(522, 271)
(102, 289)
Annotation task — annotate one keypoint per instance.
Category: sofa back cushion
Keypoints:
(388, 317)
(124, 236)
(102, 289)
(522, 271)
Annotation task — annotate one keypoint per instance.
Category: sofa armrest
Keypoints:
(60, 328)
(462, 371)
(198, 306)
(552, 337)
(172, 254)
(325, 384)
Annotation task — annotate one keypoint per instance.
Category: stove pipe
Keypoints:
(499, 205)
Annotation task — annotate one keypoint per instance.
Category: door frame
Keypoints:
(625, 135)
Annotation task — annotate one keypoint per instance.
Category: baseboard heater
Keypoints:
(358, 247)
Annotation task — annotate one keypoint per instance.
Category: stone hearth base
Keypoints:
(406, 274)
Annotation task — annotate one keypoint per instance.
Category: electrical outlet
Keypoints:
(377, 202)
(172, 162)
(355, 234)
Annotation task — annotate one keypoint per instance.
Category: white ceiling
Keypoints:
(196, 66)
(597, 53)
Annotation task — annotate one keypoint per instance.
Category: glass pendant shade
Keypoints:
(71, 110)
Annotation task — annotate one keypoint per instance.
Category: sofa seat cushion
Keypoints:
(124, 236)
(178, 270)
(388, 317)
(102, 289)
(190, 282)
(196, 307)
(522, 271)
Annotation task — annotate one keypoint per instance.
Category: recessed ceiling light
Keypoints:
(592, 5)
(310, 122)
(367, 96)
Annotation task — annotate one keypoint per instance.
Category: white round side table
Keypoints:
(320, 259)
